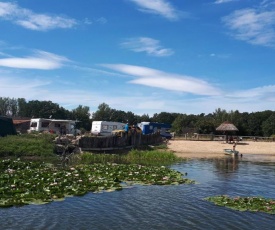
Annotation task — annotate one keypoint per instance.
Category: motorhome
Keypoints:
(105, 128)
(57, 126)
(154, 127)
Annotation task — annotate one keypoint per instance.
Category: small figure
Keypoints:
(126, 128)
(234, 146)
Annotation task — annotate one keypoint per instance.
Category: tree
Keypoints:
(205, 126)
(268, 126)
(164, 117)
(22, 107)
(103, 113)
(4, 106)
(82, 114)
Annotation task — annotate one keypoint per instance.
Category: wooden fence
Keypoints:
(212, 137)
(92, 143)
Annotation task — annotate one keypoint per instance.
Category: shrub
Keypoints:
(27, 145)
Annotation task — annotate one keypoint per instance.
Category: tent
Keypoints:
(6, 126)
(227, 128)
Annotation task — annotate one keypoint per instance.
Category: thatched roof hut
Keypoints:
(227, 128)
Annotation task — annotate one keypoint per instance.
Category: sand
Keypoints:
(254, 151)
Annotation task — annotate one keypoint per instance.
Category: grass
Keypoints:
(27, 145)
(154, 157)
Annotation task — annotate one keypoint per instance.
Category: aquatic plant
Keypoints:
(23, 183)
(143, 157)
(252, 204)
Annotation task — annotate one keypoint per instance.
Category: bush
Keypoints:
(27, 145)
(146, 157)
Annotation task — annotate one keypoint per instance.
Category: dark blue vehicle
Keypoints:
(154, 127)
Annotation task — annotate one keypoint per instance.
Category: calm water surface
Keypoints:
(160, 207)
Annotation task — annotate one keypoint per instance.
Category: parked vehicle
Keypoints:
(57, 126)
(105, 128)
(154, 127)
(6, 126)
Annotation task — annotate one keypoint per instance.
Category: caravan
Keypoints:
(154, 127)
(57, 126)
(105, 128)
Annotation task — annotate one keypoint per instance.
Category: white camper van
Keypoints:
(54, 126)
(105, 128)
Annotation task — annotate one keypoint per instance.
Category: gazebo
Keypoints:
(227, 128)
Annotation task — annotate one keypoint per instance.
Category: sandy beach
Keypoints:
(254, 151)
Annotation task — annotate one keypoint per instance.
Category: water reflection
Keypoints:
(227, 164)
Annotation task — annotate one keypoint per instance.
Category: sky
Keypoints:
(143, 56)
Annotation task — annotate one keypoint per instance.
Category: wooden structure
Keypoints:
(227, 127)
(91, 143)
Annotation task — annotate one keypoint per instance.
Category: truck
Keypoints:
(57, 126)
(154, 127)
(105, 128)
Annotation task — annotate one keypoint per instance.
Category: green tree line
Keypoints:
(249, 124)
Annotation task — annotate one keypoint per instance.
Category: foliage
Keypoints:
(27, 145)
(249, 124)
(82, 114)
(252, 204)
(143, 157)
(23, 183)
(268, 126)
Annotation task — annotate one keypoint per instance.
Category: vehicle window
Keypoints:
(105, 127)
(45, 124)
(114, 127)
(34, 124)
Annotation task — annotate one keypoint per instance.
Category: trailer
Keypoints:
(58, 126)
(105, 128)
(154, 127)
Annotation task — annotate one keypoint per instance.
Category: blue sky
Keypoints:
(144, 56)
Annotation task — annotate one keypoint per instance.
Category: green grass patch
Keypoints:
(27, 145)
(142, 157)
(252, 204)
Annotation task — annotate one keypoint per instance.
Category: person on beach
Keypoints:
(234, 146)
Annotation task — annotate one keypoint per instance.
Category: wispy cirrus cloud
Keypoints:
(253, 26)
(33, 21)
(40, 60)
(159, 7)
(168, 81)
(223, 1)
(148, 45)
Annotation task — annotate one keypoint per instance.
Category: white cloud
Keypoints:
(259, 93)
(223, 1)
(30, 20)
(253, 26)
(40, 60)
(160, 7)
(148, 45)
(168, 81)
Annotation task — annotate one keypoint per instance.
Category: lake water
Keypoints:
(160, 207)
